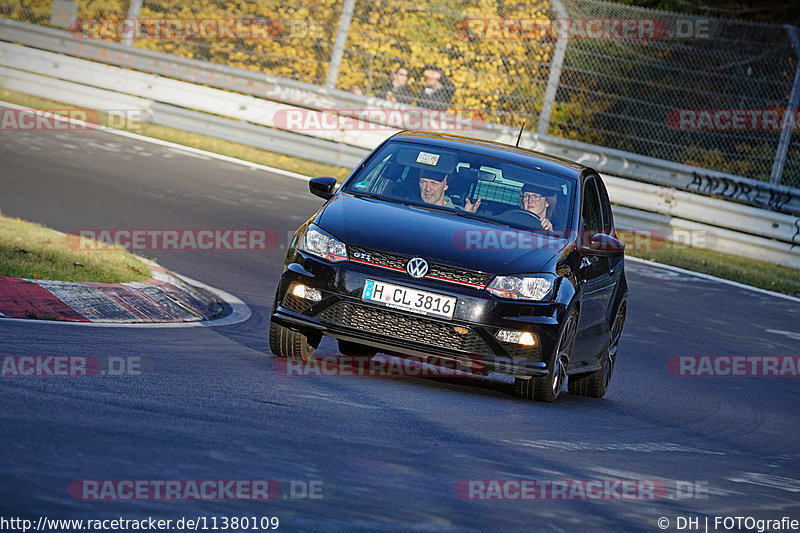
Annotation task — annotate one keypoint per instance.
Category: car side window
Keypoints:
(592, 212)
(605, 204)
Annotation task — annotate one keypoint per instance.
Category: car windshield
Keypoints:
(505, 192)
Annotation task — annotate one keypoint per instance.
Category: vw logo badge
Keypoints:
(417, 267)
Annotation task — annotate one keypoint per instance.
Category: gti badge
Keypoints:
(417, 267)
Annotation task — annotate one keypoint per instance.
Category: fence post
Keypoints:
(341, 40)
(555, 73)
(794, 97)
(133, 14)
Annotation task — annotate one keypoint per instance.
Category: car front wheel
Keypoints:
(595, 384)
(547, 388)
(291, 344)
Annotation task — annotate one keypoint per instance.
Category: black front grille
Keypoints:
(383, 259)
(519, 351)
(448, 273)
(404, 327)
(457, 274)
(293, 303)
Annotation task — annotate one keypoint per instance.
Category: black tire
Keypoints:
(353, 348)
(291, 344)
(595, 384)
(547, 388)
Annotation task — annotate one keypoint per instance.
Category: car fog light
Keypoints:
(309, 293)
(516, 337)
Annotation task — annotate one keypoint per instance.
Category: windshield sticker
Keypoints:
(428, 159)
(361, 185)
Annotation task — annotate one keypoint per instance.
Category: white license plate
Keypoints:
(408, 299)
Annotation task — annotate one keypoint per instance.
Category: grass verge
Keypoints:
(731, 267)
(751, 272)
(202, 142)
(33, 251)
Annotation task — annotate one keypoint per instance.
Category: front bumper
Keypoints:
(467, 339)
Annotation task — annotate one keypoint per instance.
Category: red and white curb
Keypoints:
(165, 300)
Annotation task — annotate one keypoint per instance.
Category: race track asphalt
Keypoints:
(387, 453)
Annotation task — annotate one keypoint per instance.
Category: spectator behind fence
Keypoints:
(397, 90)
(438, 91)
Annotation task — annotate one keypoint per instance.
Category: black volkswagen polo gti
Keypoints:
(457, 250)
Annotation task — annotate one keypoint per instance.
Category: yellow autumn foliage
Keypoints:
(498, 68)
(498, 76)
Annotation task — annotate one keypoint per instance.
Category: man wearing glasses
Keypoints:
(535, 201)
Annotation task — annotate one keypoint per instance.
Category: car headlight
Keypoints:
(522, 287)
(319, 243)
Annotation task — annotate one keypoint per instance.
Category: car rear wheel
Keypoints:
(291, 344)
(547, 388)
(595, 384)
(353, 348)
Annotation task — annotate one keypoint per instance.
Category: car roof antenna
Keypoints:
(520, 133)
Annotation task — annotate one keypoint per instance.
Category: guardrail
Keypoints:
(163, 102)
(679, 215)
(615, 162)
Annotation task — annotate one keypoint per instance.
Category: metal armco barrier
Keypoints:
(680, 216)
(615, 162)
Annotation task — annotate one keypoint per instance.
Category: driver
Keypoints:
(535, 200)
(432, 186)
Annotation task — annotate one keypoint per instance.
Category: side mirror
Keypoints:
(323, 187)
(602, 244)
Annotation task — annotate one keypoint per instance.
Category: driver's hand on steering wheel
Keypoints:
(546, 224)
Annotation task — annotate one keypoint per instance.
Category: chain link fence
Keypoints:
(706, 93)
(703, 91)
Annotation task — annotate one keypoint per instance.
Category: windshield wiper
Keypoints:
(460, 213)
(376, 197)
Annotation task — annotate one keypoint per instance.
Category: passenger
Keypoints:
(432, 186)
(535, 200)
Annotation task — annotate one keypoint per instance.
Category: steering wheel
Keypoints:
(522, 216)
